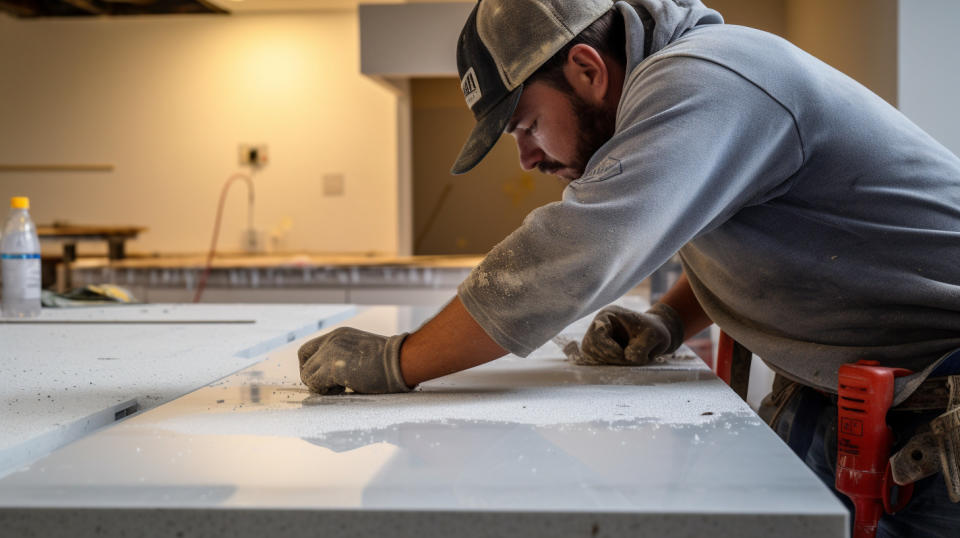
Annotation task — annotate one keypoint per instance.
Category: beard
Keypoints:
(595, 126)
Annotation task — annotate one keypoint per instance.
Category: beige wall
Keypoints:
(480, 207)
(767, 15)
(858, 37)
(168, 99)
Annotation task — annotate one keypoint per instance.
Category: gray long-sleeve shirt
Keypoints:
(817, 225)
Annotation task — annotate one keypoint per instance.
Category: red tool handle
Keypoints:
(724, 357)
(865, 393)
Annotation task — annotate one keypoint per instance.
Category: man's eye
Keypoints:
(533, 128)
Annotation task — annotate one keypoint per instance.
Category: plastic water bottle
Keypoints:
(20, 256)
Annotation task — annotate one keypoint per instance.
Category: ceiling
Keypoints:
(87, 8)
(261, 6)
(250, 6)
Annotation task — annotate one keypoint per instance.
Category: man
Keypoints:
(816, 224)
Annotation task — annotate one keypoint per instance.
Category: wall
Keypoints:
(928, 58)
(472, 212)
(400, 43)
(767, 15)
(168, 99)
(858, 37)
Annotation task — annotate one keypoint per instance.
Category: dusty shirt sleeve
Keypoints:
(694, 143)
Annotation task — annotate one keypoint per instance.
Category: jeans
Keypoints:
(808, 424)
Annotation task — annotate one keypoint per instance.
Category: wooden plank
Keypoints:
(98, 232)
(56, 167)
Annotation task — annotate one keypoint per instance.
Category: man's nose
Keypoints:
(530, 154)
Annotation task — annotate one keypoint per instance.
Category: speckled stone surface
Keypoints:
(517, 447)
(72, 371)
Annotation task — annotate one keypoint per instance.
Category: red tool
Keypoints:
(724, 357)
(733, 364)
(865, 393)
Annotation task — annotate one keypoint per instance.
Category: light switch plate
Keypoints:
(333, 185)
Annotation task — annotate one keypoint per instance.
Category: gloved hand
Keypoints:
(365, 362)
(627, 338)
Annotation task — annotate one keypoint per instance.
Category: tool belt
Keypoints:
(935, 447)
(866, 472)
(875, 481)
(932, 448)
(864, 440)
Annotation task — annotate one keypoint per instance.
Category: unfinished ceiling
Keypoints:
(88, 8)
(260, 6)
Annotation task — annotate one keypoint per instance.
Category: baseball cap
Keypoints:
(502, 43)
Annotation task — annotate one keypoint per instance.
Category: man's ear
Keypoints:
(588, 73)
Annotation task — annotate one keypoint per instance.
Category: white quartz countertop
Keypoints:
(71, 371)
(517, 447)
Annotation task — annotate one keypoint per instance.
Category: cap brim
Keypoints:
(486, 132)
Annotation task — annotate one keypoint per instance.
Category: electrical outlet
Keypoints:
(253, 154)
(253, 240)
(333, 185)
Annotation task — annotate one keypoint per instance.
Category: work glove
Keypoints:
(349, 358)
(627, 338)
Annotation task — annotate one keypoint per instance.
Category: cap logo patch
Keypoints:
(471, 90)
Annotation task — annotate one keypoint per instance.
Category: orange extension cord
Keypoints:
(216, 228)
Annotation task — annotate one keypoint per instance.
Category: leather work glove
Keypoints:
(627, 338)
(350, 358)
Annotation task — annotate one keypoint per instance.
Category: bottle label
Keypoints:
(21, 276)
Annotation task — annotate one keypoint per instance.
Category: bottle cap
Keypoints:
(20, 202)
